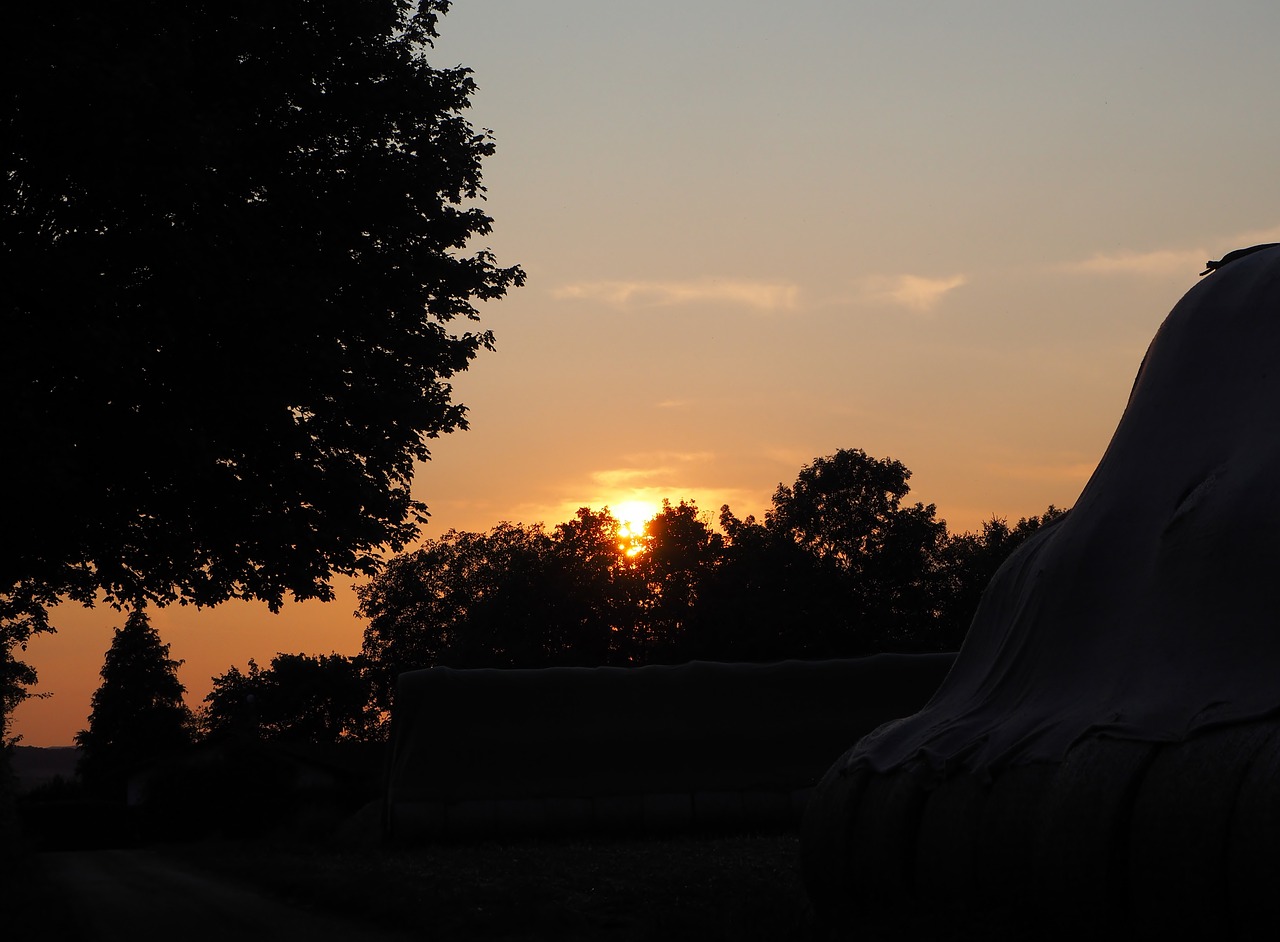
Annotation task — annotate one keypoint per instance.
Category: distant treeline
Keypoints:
(840, 566)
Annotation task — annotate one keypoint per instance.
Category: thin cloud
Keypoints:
(644, 469)
(1162, 262)
(1158, 263)
(1258, 236)
(626, 477)
(914, 292)
(759, 295)
(678, 457)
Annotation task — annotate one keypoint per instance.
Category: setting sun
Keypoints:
(633, 515)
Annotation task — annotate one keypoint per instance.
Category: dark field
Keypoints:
(675, 888)
(683, 888)
(727, 888)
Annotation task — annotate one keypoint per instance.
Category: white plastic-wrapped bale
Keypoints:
(1111, 723)
(649, 749)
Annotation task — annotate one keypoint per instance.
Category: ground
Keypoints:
(728, 888)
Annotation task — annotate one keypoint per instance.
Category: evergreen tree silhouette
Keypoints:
(138, 713)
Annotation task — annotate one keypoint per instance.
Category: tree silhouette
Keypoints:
(465, 600)
(772, 598)
(847, 510)
(515, 596)
(318, 699)
(680, 555)
(971, 559)
(841, 566)
(238, 281)
(138, 714)
(593, 591)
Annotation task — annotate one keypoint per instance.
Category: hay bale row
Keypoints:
(1146, 840)
(699, 745)
(649, 814)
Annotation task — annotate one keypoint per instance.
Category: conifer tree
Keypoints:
(138, 713)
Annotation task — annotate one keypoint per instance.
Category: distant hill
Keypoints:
(35, 765)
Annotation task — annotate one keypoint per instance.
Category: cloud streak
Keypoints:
(1157, 263)
(644, 469)
(914, 292)
(759, 295)
(1163, 262)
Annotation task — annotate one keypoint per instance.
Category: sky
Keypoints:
(755, 234)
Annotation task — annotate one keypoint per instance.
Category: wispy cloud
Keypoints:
(1148, 264)
(627, 477)
(758, 295)
(644, 480)
(1258, 236)
(915, 292)
(650, 469)
(1167, 261)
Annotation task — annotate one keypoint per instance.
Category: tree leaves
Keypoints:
(239, 236)
(842, 566)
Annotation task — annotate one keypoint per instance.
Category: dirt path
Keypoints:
(138, 896)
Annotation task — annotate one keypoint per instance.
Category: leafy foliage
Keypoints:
(318, 699)
(841, 566)
(239, 281)
(678, 557)
(971, 559)
(846, 510)
(239, 275)
(138, 714)
(516, 596)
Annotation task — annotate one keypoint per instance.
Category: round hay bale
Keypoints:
(1178, 845)
(1006, 835)
(772, 808)
(521, 817)
(1079, 865)
(667, 812)
(467, 820)
(882, 841)
(568, 815)
(618, 813)
(825, 862)
(414, 821)
(946, 851)
(1253, 849)
(718, 810)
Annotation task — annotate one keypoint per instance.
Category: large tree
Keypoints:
(847, 510)
(241, 268)
(680, 554)
(515, 596)
(138, 713)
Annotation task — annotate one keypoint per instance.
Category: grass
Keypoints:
(723, 888)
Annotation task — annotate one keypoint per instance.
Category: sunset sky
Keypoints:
(757, 233)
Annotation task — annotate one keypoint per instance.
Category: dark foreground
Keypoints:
(734, 888)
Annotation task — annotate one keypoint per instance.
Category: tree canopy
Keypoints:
(239, 244)
(841, 566)
(319, 699)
